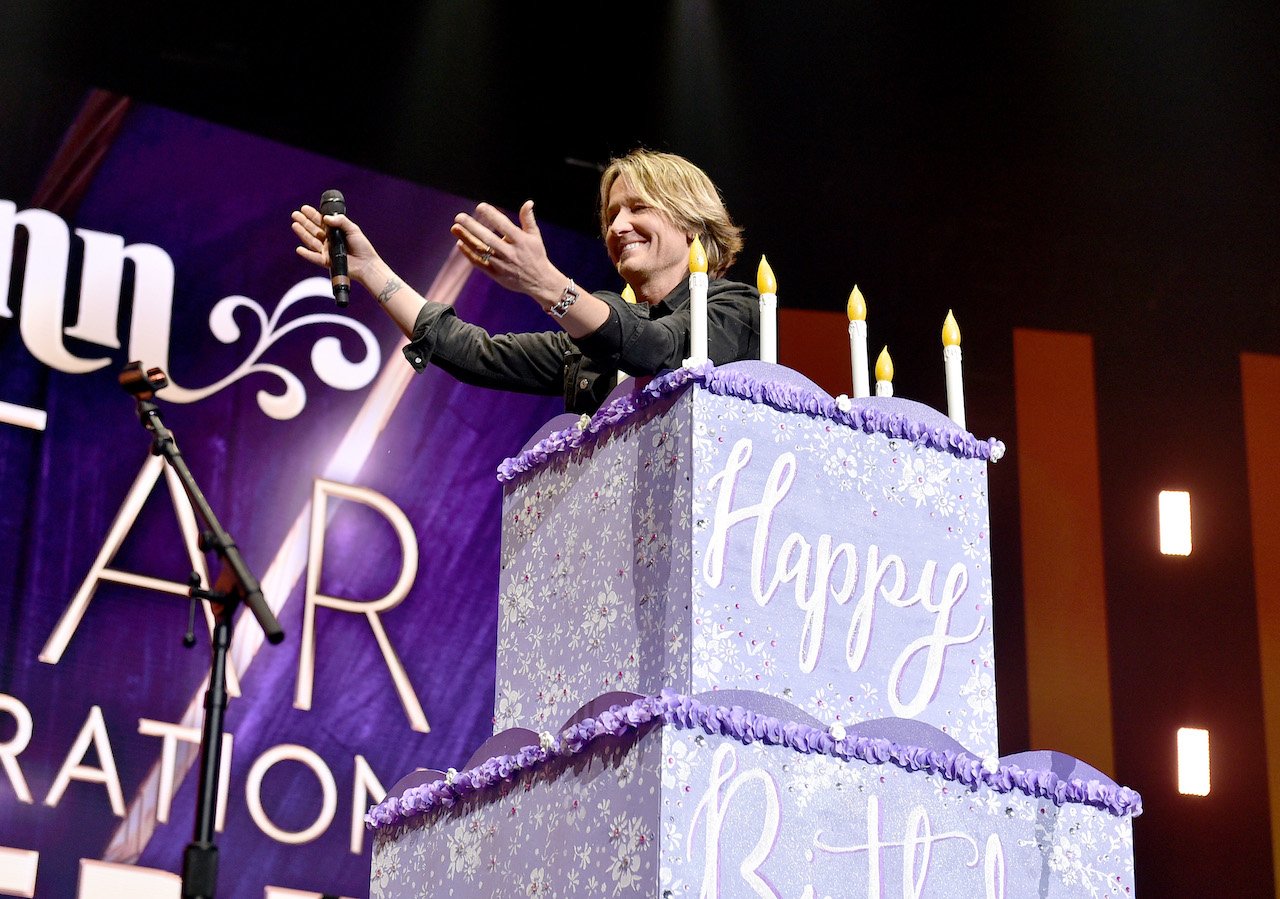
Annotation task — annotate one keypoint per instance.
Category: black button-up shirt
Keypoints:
(636, 338)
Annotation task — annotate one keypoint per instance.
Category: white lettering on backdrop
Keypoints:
(366, 790)
(45, 286)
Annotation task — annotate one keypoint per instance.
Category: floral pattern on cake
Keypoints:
(676, 811)
(600, 573)
(582, 815)
(610, 586)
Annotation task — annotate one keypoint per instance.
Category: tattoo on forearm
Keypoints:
(391, 287)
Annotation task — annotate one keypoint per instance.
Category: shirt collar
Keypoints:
(676, 300)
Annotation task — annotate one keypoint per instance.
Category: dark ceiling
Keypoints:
(914, 148)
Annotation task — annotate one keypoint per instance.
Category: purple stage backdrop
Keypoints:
(361, 495)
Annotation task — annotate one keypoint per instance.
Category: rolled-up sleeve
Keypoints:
(526, 363)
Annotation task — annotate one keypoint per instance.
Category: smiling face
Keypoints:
(648, 249)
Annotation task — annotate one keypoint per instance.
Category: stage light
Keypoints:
(1193, 761)
(1175, 522)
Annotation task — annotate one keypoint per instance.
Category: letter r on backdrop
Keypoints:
(320, 494)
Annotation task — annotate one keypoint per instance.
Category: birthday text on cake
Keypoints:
(914, 850)
(825, 570)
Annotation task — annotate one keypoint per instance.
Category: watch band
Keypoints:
(567, 299)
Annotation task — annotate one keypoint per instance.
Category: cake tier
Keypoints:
(676, 796)
(737, 528)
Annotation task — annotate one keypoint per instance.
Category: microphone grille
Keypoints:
(332, 203)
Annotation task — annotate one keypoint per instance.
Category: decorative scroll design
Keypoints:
(327, 359)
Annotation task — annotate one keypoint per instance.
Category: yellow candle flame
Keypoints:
(697, 257)
(857, 306)
(950, 331)
(628, 294)
(765, 282)
(884, 366)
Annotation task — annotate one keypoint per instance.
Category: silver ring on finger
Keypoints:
(486, 255)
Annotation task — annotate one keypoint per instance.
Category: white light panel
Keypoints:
(1175, 522)
(1193, 761)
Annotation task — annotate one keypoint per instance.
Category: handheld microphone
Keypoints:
(332, 203)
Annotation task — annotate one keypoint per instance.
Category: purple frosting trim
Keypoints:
(776, 394)
(742, 724)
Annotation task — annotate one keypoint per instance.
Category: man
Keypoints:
(652, 206)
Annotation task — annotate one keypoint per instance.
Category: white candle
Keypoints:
(857, 309)
(768, 287)
(884, 374)
(697, 305)
(951, 363)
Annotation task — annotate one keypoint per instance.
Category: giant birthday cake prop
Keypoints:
(745, 649)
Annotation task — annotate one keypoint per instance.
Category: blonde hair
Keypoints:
(684, 194)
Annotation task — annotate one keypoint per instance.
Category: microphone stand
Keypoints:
(235, 585)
